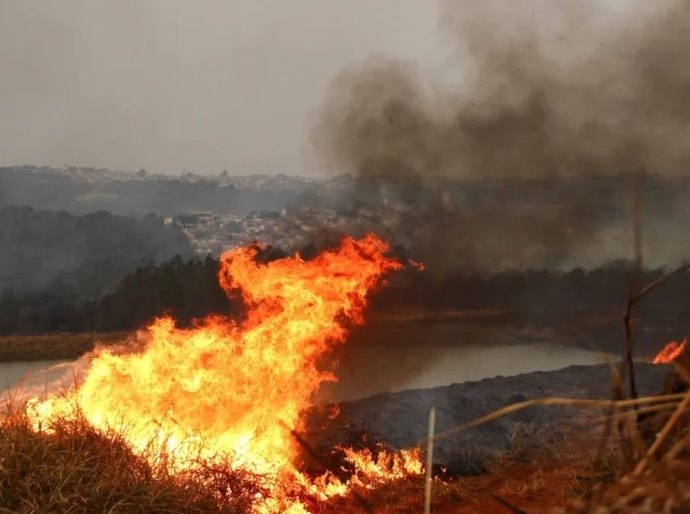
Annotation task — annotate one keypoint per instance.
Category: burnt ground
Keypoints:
(399, 420)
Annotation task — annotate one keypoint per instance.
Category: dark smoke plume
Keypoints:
(546, 89)
(531, 103)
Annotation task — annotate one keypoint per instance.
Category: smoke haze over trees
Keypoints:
(449, 223)
(578, 306)
(83, 254)
(543, 89)
(546, 88)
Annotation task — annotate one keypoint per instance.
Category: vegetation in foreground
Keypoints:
(73, 468)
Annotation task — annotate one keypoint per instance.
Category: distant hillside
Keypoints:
(79, 254)
(82, 190)
(450, 224)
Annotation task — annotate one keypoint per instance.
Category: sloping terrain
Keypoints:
(400, 419)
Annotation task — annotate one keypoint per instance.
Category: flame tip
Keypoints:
(671, 352)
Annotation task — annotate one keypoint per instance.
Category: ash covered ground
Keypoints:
(399, 420)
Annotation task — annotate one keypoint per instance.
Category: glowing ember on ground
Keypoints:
(235, 390)
(670, 352)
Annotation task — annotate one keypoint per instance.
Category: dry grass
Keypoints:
(404, 496)
(642, 467)
(544, 466)
(73, 468)
(657, 480)
(664, 488)
(54, 346)
(70, 467)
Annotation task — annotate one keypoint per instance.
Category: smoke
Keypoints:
(549, 88)
(543, 90)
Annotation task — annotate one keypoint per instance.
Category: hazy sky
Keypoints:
(204, 86)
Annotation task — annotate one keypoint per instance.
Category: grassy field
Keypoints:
(73, 468)
(54, 346)
(545, 469)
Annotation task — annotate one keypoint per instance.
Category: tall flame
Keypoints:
(670, 352)
(235, 389)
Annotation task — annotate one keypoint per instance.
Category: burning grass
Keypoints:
(72, 466)
(229, 394)
(68, 465)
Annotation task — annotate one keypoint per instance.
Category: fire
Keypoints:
(670, 352)
(416, 264)
(236, 390)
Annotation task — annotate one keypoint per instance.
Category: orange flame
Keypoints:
(236, 390)
(416, 264)
(670, 352)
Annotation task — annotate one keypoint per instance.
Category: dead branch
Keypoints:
(654, 284)
(627, 315)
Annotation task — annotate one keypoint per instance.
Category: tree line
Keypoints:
(56, 253)
(188, 289)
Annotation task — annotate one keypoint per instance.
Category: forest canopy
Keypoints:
(81, 255)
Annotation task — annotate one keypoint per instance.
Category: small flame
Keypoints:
(670, 352)
(419, 266)
(237, 390)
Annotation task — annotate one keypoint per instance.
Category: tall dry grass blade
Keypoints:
(675, 417)
(617, 390)
(649, 409)
(429, 460)
(567, 402)
(682, 371)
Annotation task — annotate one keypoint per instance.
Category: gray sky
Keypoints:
(168, 85)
